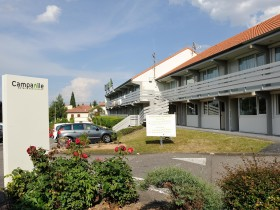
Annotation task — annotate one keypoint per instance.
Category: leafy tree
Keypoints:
(57, 109)
(94, 103)
(72, 100)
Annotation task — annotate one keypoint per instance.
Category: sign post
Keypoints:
(25, 119)
(161, 125)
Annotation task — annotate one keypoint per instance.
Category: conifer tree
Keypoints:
(72, 100)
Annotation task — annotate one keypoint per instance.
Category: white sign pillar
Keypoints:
(25, 119)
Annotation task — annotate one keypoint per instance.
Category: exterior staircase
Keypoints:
(157, 106)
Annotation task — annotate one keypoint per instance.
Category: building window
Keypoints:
(262, 105)
(277, 54)
(72, 115)
(260, 58)
(78, 115)
(247, 62)
(211, 108)
(205, 107)
(189, 80)
(192, 109)
(248, 106)
(210, 73)
(278, 104)
(251, 61)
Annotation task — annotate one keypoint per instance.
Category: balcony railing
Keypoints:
(266, 77)
(131, 98)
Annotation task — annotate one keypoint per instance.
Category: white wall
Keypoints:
(253, 123)
(210, 121)
(192, 120)
(25, 119)
(166, 65)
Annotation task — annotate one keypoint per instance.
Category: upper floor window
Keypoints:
(189, 80)
(210, 73)
(277, 54)
(251, 61)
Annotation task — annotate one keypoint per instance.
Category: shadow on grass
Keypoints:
(159, 205)
(164, 141)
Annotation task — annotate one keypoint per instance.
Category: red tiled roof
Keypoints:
(101, 104)
(186, 48)
(241, 38)
(80, 109)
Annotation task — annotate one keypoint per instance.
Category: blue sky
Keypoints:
(78, 45)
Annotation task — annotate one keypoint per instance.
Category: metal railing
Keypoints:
(266, 77)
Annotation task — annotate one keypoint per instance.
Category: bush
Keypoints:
(107, 121)
(187, 191)
(129, 130)
(256, 185)
(115, 176)
(73, 183)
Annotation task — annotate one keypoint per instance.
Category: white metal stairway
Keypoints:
(157, 106)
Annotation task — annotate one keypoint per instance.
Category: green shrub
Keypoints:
(187, 191)
(129, 130)
(107, 121)
(116, 181)
(73, 183)
(255, 185)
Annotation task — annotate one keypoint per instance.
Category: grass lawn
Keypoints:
(188, 141)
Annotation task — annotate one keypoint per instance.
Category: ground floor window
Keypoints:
(192, 109)
(211, 108)
(262, 105)
(248, 106)
(278, 104)
(252, 105)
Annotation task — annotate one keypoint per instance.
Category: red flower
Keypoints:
(123, 148)
(84, 156)
(130, 150)
(78, 141)
(68, 142)
(31, 149)
(76, 154)
(116, 149)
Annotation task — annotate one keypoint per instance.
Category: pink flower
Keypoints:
(78, 141)
(68, 142)
(76, 154)
(123, 148)
(84, 156)
(116, 149)
(130, 150)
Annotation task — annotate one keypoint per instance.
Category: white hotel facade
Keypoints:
(232, 86)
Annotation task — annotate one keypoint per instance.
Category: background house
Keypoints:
(79, 114)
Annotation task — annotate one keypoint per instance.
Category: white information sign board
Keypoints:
(161, 125)
(25, 119)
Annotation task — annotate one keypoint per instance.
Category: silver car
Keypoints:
(94, 132)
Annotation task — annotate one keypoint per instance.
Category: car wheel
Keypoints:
(70, 138)
(106, 138)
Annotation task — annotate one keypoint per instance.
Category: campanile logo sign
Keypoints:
(28, 85)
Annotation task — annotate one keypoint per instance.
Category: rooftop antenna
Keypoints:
(193, 48)
(154, 57)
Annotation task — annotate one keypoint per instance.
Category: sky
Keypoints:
(78, 45)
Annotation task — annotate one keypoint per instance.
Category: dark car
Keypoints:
(94, 132)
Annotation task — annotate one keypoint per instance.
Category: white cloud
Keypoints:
(84, 89)
(51, 14)
(238, 12)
